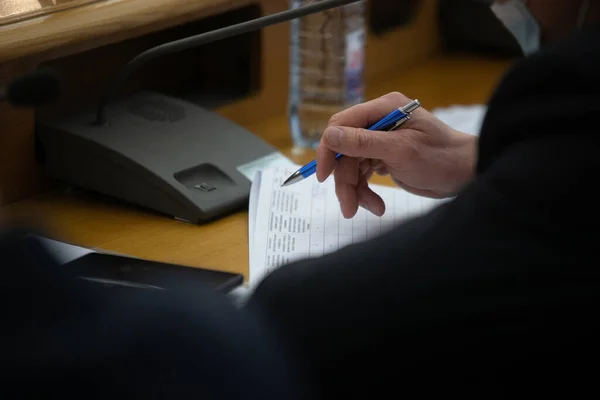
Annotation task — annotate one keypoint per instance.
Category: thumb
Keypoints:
(357, 142)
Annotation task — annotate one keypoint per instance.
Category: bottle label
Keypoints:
(355, 65)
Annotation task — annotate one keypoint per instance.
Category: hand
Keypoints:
(425, 156)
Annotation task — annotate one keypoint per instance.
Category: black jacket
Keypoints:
(63, 337)
(494, 294)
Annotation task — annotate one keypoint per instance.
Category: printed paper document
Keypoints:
(466, 119)
(304, 220)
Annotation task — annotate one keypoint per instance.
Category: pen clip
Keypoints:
(410, 107)
(400, 122)
(408, 110)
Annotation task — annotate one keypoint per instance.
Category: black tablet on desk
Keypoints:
(120, 272)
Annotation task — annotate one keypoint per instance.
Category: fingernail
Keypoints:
(333, 136)
(375, 211)
(365, 206)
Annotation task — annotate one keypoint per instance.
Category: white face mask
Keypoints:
(517, 18)
(521, 24)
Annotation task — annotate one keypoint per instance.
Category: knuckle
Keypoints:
(341, 117)
(396, 97)
(335, 118)
(362, 140)
(329, 142)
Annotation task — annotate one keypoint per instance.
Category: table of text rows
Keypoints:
(330, 231)
(304, 226)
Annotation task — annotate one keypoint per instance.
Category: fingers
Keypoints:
(420, 192)
(346, 181)
(358, 142)
(352, 188)
(366, 114)
(325, 162)
(365, 166)
(369, 200)
(351, 197)
(382, 171)
(360, 116)
(379, 167)
(369, 167)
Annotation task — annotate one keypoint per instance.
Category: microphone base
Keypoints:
(158, 152)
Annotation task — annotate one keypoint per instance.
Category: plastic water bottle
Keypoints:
(327, 69)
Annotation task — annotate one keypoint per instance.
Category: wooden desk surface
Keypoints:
(12, 11)
(94, 23)
(88, 221)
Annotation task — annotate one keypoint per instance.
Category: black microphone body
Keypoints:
(209, 37)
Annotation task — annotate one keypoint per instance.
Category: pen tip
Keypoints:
(296, 177)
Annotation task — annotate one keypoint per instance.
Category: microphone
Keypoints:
(208, 37)
(32, 90)
(159, 152)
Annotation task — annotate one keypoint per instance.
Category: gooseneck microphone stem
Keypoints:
(208, 37)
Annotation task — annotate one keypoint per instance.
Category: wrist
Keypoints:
(465, 149)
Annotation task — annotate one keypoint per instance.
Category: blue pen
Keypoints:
(392, 121)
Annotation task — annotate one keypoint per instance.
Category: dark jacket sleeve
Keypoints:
(487, 295)
(63, 337)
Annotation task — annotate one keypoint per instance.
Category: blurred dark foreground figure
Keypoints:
(62, 336)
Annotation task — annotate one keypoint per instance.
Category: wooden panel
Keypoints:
(12, 11)
(99, 24)
(94, 222)
(406, 47)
